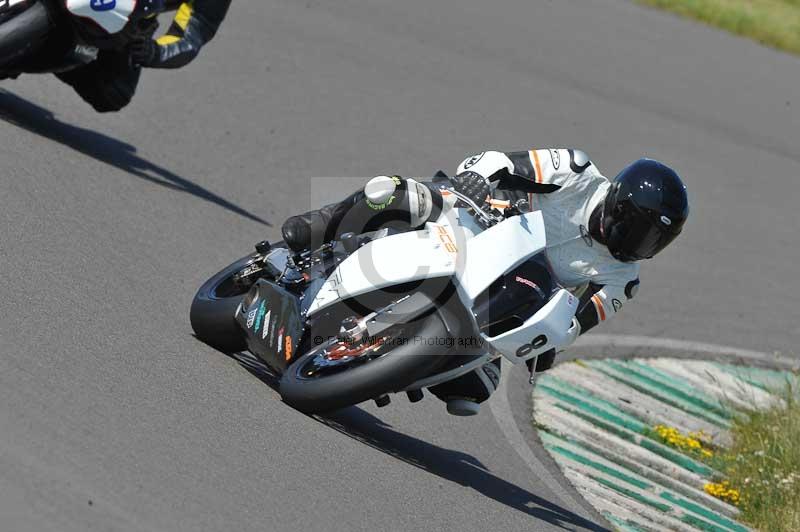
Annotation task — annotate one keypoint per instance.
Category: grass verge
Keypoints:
(763, 467)
(774, 23)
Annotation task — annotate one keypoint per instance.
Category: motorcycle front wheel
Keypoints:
(336, 374)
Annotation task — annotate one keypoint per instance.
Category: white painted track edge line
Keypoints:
(638, 342)
(501, 409)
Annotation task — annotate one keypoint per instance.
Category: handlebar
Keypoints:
(487, 218)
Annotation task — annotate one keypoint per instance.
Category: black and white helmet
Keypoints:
(644, 211)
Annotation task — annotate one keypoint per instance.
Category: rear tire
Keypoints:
(391, 372)
(212, 313)
(214, 307)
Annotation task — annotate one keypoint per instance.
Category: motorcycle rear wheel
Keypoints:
(214, 307)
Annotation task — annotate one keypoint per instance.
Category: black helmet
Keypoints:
(644, 211)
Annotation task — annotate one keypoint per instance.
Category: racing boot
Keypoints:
(309, 230)
(385, 201)
(465, 394)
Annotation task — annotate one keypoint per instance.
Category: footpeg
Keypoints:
(415, 395)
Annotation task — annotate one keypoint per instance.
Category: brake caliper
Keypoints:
(353, 340)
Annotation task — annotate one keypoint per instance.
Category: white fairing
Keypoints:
(492, 253)
(11, 3)
(455, 246)
(550, 324)
(387, 262)
(111, 15)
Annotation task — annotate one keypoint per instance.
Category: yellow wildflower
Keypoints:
(695, 442)
(723, 491)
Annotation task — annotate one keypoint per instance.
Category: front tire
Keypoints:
(416, 355)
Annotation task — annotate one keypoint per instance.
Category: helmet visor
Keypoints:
(636, 237)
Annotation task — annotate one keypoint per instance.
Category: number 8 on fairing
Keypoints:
(536, 343)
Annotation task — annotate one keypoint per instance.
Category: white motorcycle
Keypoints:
(388, 312)
(53, 36)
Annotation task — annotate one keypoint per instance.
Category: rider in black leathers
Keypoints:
(109, 83)
(598, 229)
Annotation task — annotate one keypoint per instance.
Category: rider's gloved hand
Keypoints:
(472, 185)
(144, 52)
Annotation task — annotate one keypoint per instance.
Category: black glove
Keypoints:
(144, 52)
(472, 185)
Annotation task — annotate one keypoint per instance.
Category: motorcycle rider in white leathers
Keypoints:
(597, 229)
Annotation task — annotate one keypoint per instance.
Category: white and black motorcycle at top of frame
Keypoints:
(53, 36)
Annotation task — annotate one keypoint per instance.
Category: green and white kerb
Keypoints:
(634, 436)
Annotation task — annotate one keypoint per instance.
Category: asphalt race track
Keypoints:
(114, 417)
